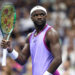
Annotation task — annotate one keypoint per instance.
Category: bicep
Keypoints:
(55, 49)
(54, 44)
(26, 49)
(24, 55)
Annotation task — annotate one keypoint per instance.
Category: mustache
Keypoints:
(40, 20)
(37, 24)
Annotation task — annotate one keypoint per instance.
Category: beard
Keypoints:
(40, 25)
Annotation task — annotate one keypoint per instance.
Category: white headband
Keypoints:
(38, 7)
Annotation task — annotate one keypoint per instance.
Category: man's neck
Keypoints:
(39, 29)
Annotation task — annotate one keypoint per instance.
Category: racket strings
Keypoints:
(7, 19)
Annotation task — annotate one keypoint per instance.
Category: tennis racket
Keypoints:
(8, 19)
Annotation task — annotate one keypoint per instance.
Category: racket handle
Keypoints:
(4, 57)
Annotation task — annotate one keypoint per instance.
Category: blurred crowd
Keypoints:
(61, 15)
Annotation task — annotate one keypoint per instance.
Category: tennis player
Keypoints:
(42, 44)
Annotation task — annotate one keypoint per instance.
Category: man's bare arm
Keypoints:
(20, 57)
(24, 55)
(53, 39)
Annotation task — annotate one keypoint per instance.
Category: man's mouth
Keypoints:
(39, 21)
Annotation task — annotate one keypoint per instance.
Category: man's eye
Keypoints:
(42, 14)
(35, 15)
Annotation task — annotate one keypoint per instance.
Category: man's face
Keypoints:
(39, 18)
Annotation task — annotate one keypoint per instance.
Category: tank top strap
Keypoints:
(47, 28)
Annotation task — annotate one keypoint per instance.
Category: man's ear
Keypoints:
(31, 18)
(46, 16)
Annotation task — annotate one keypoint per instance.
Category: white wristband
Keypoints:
(47, 73)
(14, 54)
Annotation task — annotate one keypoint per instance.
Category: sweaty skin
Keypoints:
(51, 39)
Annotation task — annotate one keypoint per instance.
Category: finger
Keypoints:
(8, 42)
(3, 40)
(3, 46)
(4, 43)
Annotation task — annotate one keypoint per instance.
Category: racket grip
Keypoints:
(4, 57)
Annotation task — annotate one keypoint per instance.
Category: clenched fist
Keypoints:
(6, 44)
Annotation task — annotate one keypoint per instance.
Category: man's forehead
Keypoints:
(38, 11)
(38, 8)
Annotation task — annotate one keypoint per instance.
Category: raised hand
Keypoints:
(6, 44)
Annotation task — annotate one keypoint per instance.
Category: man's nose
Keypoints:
(39, 17)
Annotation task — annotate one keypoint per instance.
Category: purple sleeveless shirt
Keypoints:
(41, 56)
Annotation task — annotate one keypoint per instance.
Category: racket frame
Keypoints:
(6, 34)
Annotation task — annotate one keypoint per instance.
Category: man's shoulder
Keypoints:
(29, 34)
(52, 31)
(52, 34)
(28, 37)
